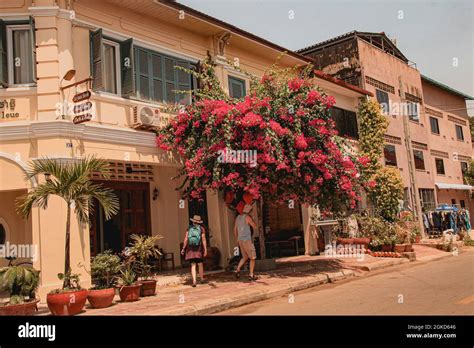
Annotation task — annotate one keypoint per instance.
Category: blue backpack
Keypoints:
(194, 235)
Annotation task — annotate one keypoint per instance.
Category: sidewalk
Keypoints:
(175, 296)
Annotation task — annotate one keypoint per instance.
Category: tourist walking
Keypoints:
(243, 236)
(195, 247)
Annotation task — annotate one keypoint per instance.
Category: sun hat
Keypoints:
(197, 219)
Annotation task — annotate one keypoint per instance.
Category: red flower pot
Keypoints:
(148, 288)
(387, 247)
(417, 239)
(408, 248)
(22, 309)
(129, 293)
(101, 298)
(345, 241)
(399, 248)
(67, 303)
(362, 241)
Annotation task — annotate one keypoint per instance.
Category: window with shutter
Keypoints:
(236, 87)
(382, 99)
(159, 79)
(346, 122)
(390, 155)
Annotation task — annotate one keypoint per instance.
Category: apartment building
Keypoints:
(428, 138)
(53, 52)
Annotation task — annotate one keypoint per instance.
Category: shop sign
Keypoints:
(82, 118)
(81, 96)
(7, 109)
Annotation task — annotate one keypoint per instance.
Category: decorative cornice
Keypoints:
(64, 129)
(44, 11)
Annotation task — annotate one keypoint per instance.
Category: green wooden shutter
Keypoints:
(33, 47)
(127, 68)
(183, 82)
(97, 60)
(3, 55)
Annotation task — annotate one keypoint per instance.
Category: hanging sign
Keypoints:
(81, 96)
(80, 108)
(82, 118)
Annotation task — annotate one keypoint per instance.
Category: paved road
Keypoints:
(443, 287)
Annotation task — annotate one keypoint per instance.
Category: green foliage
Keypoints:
(127, 277)
(372, 128)
(69, 180)
(469, 174)
(388, 188)
(143, 248)
(467, 240)
(20, 282)
(377, 229)
(387, 192)
(71, 279)
(104, 269)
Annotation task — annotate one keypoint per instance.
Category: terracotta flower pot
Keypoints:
(67, 303)
(400, 248)
(417, 239)
(362, 241)
(345, 241)
(101, 298)
(408, 248)
(23, 309)
(129, 293)
(387, 247)
(148, 288)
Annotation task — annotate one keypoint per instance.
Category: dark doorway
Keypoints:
(196, 207)
(133, 217)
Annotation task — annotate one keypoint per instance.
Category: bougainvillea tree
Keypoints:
(279, 142)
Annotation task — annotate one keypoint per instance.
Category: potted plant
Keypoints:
(388, 238)
(129, 289)
(401, 237)
(142, 250)
(70, 180)
(21, 284)
(70, 299)
(104, 269)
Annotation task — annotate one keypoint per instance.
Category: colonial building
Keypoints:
(53, 52)
(428, 137)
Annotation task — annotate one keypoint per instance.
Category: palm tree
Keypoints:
(69, 180)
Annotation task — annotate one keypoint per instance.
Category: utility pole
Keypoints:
(411, 167)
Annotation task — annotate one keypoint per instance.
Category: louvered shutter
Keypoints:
(33, 48)
(3, 55)
(127, 68)
(97, 60)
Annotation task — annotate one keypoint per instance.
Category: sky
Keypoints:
(438, 35)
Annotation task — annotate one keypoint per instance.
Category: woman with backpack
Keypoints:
(195, 247)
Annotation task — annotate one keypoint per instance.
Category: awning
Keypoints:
(443, 186)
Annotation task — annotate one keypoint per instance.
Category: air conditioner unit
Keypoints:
(146, 116)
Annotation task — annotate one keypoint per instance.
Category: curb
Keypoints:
(434, 257)
(383, 264)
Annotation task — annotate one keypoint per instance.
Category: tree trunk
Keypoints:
(261, 235)
(67, 257)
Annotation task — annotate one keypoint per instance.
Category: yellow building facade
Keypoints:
(49, 51)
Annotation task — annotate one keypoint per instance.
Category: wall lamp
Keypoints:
(155, 194)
